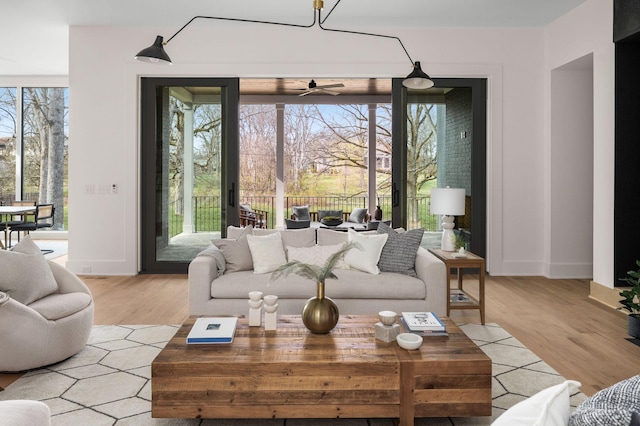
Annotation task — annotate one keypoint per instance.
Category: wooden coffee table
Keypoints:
(292, 373)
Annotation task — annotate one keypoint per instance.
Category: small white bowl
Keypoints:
(255, 304)
(255, 295)
(270, 308)
(409, 341)
(270, 299)
(387, 317)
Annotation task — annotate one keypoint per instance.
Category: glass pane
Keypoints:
(8, 130)
(188, 169)
(45, 148)
(439, 143)
(258, 140)
(326, 150)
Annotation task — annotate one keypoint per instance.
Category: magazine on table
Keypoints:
(423, 333)
(423, 321)
(213, 330)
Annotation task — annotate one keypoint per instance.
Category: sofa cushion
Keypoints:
(236, 251)
(351, 284)
(549, 407)
(235, 232)
(316, 255)
(612, 406)
(399, 252)
(301, 212)
(58, 306)
(328, 237)
(292, 237)
(366, 255)
(358, 215)
(267, 252)
(26, 275)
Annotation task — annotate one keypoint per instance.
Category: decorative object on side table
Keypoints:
(387, 330)
(631, 301)
(270, 308)
(255, 308)
(320, 314)
(377, 214)
(448, 202)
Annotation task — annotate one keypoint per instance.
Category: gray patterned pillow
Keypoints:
(612, 406)
(399, 253)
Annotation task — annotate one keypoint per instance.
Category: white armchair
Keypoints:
(47, 330)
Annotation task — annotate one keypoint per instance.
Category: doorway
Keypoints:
(189, 170)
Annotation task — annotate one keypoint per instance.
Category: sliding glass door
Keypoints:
(189, 168)
(439, 140)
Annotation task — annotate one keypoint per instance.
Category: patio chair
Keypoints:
(43, 219)
(249, 216)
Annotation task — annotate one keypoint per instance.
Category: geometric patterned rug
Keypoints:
(108, 383)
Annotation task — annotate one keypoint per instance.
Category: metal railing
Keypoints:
(207, 211)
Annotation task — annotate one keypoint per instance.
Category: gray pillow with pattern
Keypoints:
(399, 252)
(612, 406)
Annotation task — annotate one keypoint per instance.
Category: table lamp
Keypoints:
(448, 202)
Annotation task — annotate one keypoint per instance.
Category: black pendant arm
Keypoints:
(241, 20)
(320, 21)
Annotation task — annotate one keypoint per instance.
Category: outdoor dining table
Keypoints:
(7, 212)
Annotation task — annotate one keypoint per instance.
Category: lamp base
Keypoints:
(448, 236)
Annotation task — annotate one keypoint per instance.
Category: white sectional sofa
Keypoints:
(355, 292)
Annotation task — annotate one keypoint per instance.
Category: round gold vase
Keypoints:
(320, 314)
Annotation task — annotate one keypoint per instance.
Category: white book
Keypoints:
(423, 321)
(213, 330)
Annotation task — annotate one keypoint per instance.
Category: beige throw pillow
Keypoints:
(236, 251)
(366, 254)
(26, 276)
(267, 252)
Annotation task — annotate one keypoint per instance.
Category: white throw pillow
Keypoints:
(267, 252)
(549, 407)
(26, 275)
(366, 255)
(316, 255)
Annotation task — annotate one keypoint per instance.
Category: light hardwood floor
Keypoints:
(580, 338)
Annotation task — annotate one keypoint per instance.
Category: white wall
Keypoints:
(588, 31)
(105, 135)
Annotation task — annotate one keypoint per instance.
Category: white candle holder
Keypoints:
(255, 308)
(270, 309)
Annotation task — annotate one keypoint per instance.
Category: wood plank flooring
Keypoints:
(580, 338)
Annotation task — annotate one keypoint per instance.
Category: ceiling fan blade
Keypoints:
(329, 86)
(305, 93)
(331, 92)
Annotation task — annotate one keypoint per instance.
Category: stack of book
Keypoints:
(423, 323)
(213, 330)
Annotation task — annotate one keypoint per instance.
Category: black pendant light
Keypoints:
(418, 79)
(154, 53)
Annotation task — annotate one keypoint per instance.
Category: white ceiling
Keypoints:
(35, 38)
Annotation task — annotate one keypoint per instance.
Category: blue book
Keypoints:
(213, 330)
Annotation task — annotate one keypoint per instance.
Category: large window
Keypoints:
(34, 146)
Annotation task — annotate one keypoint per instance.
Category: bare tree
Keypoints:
(176, 151)
(44, 120)
(258, 149)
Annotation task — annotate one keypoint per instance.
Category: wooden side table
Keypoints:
(459, 263)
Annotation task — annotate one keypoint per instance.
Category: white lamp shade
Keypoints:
(447, 201)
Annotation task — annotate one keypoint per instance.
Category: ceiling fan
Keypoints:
(326, 88)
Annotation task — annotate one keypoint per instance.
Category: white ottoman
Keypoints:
(22, 412)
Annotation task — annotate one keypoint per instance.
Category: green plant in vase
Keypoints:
(631, 301)
(320, 314)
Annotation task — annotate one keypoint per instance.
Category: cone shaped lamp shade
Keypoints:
(418, 79)
(154, 53)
